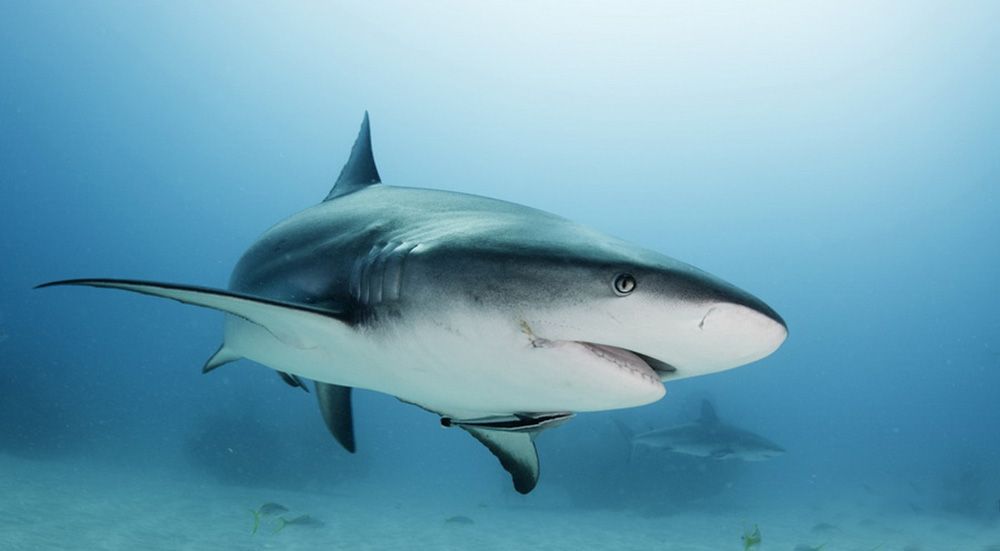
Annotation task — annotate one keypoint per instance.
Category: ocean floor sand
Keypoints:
(58, 505)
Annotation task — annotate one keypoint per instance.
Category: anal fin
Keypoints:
(335, 406)
(221, 357)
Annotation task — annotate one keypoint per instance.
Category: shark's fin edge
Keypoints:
(221, 357)
(268, 313)
(335, 407)
(293, 324)
(516, 452)
(360, 171)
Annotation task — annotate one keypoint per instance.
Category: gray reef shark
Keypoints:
(707, 437)
(502, 319)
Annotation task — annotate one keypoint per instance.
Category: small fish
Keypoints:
(804, 547)
(256, 521)
(823, 528)
(266, 510)
(751, 539)
(3, 335)
(459, 519)
(301, 520)
(270, 508)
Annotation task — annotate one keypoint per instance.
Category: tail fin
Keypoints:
(629, 436)
(256, 520)
(281, 525)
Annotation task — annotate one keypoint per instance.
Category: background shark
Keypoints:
(707, 437)
(504, 320)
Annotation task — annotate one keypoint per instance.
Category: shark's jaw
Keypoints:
(625, 360)
(631, 360)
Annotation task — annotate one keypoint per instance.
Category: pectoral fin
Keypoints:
(511, 438)
(221, 357)
(294, 324)
(335, 406)
(516, 452)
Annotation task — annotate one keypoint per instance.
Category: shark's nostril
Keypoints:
(701, 324)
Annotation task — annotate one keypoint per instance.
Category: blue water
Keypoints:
(838, 160)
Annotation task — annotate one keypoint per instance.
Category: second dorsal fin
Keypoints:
(360, 171)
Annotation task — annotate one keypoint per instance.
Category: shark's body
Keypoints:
(707, 437)
(501, 318)
(381, 245)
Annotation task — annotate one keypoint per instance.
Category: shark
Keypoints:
(502, 319)
(706, 437)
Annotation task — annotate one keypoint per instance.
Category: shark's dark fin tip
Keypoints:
(516, 452)
(221, 357)
(335, 406)
(360, 171)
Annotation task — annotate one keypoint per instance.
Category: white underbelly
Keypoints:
(494, 371)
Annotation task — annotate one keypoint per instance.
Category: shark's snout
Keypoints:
(711, 326)
(738, 334)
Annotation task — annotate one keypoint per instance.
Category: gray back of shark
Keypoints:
(503, 319)
(711, 438)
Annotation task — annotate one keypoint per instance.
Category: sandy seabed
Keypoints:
(53, 505)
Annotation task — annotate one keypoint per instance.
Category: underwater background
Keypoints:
(840, 160)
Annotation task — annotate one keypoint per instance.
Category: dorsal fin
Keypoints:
(359, 172)
(708, 415)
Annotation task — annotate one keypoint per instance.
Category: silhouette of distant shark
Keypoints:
(707, 437)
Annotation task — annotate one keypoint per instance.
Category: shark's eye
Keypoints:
(624, 284)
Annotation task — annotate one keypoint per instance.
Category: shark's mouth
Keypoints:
(630, 360)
